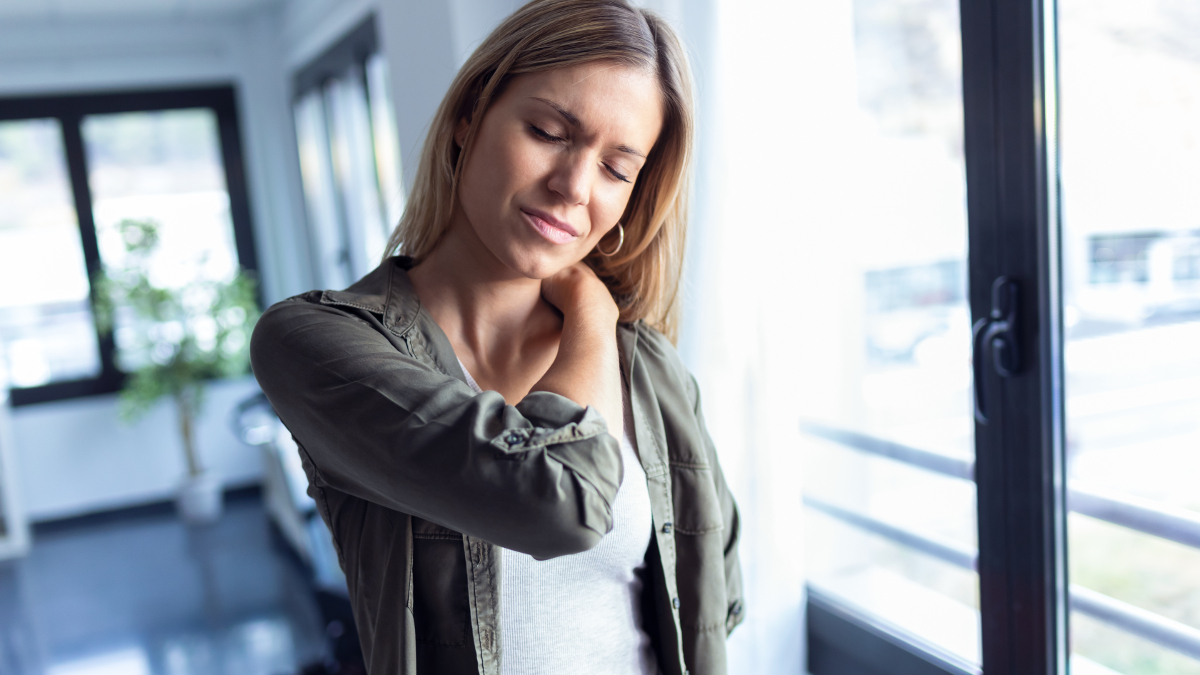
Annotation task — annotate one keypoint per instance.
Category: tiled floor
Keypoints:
(145, 595)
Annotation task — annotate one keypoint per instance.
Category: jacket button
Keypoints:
(513, 439)
(666, 529)
(675, 603)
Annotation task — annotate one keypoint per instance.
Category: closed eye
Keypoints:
(617, 174)
(544, 135)
(551, 138)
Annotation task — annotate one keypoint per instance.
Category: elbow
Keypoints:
(576, 512)
(568, 543)
(577, 540)
(569, 531)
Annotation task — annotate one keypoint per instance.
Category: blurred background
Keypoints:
(227, 154)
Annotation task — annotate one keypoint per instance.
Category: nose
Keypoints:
(572, 178)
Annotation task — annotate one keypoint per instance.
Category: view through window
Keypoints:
(891, 503)
(72, 168)
(47, 332)
(1130, 115)
(163, 167)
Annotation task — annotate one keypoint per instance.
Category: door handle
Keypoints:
(994, 340)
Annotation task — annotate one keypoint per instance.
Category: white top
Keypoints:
(581, 613)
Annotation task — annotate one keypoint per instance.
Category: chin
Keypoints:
(538, 265)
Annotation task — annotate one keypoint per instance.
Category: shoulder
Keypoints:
(307, 334)
(295, 317)
(280, 317)
(362, 305)
(663, 362)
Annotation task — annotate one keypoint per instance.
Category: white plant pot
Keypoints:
(200, 499)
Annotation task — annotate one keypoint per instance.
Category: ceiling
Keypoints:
(93, 9)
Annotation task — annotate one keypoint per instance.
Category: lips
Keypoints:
(553, 229)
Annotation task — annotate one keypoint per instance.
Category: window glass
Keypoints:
(316, 170)
(387, 144)
(46, 328)
(349, 157)
(163, 166)
(1130, 116)
(892, 536)
(354, 164)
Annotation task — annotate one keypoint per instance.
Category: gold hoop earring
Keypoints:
(620, 243)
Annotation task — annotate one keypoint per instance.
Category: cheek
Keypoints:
(499, 168)
(609, 205)
(481, 184)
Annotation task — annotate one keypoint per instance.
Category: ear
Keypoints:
(460, 131)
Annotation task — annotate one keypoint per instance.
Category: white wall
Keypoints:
(75, 457)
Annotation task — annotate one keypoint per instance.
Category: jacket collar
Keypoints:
(386, 291)
(389, 292)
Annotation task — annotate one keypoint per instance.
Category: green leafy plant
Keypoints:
(172, 340)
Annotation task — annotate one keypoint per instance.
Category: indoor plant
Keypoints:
(172, 339)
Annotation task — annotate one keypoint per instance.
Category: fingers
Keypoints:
(577, 289)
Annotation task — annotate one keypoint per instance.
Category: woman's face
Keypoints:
(555, 161)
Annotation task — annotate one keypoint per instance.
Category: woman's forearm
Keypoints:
(586, 369)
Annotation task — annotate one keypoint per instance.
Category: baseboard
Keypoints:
(149, 510)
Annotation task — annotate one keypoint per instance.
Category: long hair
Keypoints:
(644, 275)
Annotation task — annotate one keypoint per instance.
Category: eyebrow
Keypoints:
(575, 122)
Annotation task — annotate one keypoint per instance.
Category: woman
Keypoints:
(508, 451)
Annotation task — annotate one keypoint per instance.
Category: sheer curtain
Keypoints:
(775, 84)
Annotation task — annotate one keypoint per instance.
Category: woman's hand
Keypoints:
(579, 294)
(586, 369)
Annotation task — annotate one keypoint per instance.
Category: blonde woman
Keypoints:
(494, 423)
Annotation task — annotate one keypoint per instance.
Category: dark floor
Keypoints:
(141, 594)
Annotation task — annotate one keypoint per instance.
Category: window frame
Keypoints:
(69, 110)
(1010, 135)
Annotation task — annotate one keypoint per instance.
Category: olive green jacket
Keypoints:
(421, 480)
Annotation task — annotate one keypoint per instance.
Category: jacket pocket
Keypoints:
(440, 604)
(697, 505)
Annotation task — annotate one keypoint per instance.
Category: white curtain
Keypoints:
(776, 84)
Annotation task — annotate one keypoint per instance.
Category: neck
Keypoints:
(480, 303)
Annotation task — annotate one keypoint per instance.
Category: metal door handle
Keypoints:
(994, 338)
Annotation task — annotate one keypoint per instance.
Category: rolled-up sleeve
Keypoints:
(538, 477)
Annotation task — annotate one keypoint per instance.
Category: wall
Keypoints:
(72, 456)
(75, 457)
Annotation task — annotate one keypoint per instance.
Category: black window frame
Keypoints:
(1010, 134)
(69, 110)
(354, 48)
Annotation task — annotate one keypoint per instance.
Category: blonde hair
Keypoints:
(644, 275)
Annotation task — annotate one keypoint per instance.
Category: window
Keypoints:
(71, 169)
(349, 157)
(1131, 155)
(46, 328)
(1084, 377)
(889, 540)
